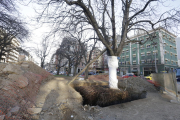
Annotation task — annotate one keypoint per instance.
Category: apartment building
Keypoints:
(158, 54)
(24, 55)
(12, 54)
(98, 64)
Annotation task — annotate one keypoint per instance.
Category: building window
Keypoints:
(166, 60)
(148, 53)
(134, 68)
(134, 49)
(127, 50)
(134, 55)
(148, 60)
(164, 36)
(127, 56)
(157, 61)
(142, 40)
(170, 39)
(134, 62)
(155, 52)
(147, 38)
(142, 54)
(172, 61)
(142, 46)
(123, 51)
(148, 46)
(171, 54)
(154, 36)
(170, 46)
(142, 61)
(174, 40)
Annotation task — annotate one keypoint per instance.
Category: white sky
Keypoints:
(38, 31)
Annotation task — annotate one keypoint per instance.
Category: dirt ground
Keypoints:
(61, 102)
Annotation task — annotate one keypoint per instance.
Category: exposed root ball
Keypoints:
(104, 96)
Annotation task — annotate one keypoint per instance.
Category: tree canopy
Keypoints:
(109, 18)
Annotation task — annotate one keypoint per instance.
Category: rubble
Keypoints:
(34, 110)
(19, 85)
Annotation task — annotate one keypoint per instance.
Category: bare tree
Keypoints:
(88, 57)
(43, 49)
(71, 50)
(86, 48)
(11, 27)
(60, 58)
(104, 17)
(14, 30)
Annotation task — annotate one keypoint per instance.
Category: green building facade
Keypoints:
(140, 58)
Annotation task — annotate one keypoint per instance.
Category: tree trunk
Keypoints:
(75, 69)
(87, 66)
(0, 55)
(69, 69)
(58, 70)
(113, 65)
(86, 73)
(42, 64)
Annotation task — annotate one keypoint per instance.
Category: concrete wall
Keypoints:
(167, 81)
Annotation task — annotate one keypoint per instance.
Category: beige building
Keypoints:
(98, 64)
(24, 55)
(12, 55)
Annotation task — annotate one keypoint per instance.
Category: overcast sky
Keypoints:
(37, 31)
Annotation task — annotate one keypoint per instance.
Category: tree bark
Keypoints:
(86, 73)
(113, 65)
(87, 66)
(75, 69)
(42, 64)
(58, 70)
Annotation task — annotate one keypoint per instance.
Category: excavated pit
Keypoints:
(104, 96)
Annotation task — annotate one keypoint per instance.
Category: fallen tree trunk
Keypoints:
(87, 66)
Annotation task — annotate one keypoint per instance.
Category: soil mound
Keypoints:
(126, 83)
(19, 85)
(104, 96)
(102, 77)
(132, 88)
(136, 83)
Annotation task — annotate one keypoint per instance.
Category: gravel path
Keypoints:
(61, 102)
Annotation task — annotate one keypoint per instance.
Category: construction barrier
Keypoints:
(166, 81)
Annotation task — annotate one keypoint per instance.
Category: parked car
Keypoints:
(129, 75)
(91, 73)
(177, 71)
(62, 73)
(55, 72)
(149, 77)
